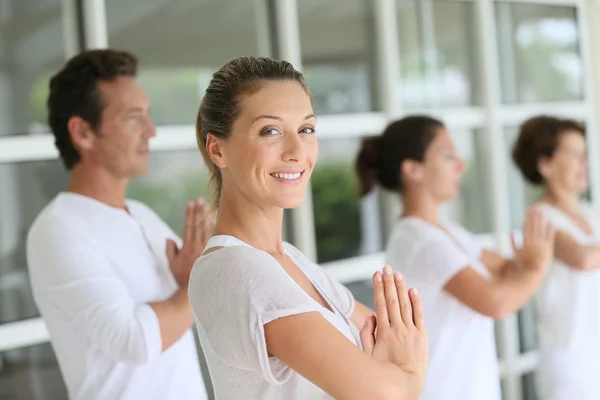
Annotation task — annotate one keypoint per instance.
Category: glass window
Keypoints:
(362, 292)
(31, 373)
(25, 189)
(337, 43)
(528, 385)
(527, 328)
(174, 179)
(472, 208)
(31, 50)
(194, 40)
(540, 58)
(345, 225)
(437, 53)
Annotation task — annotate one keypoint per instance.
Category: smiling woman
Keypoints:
(254, 296)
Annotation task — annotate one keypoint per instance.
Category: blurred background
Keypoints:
(482, 66)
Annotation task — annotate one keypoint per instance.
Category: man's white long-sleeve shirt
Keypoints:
(93, 269)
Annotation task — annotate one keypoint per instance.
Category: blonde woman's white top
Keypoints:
(462, 363)
(234, 292)
(568, 317)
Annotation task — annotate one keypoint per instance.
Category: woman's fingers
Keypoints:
(383, 321)
(406, 309)
(417, 307)
(367, 335)
(391, 296)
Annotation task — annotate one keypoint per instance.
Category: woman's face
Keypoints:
(566, 170)
(441, 171)
(272, 149)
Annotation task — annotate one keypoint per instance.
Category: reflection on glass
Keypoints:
(337, 45)
(193, 41)
(345, 225)
(31, 50)
(539, 52)
(437, 53)
(472, 208)
(31, 373)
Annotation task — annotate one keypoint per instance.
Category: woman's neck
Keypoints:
(260, 227)
(421, 206)
(561, 199)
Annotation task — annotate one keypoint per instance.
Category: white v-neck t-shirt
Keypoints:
(234, 292)
(93, 269)
(462, 351)
(568, 317)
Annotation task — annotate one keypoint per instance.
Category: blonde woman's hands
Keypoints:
(397, 334)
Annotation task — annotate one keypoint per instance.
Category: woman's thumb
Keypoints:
(367, 335)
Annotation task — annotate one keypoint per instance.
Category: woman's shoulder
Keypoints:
(232, 265)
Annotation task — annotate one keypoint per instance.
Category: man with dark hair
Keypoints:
(108, 275)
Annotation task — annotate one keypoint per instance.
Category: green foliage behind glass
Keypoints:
(337, 211)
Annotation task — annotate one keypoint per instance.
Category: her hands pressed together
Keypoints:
(397, 334)
(537, 251)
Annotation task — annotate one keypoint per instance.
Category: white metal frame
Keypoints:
(491, 118)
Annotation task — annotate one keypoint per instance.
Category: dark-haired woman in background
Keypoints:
(551, 152)
(463, 286)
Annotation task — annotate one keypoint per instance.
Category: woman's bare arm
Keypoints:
(391, 369)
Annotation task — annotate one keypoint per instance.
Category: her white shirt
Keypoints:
(234, 292)
(568, 318)
(462, 351)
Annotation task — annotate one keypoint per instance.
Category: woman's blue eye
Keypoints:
(269, 132)
(307, 130)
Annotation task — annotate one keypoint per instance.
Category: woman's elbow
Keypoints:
(496, 309)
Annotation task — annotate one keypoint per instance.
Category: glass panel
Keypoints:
(345, 225)
(337, 43)
(31, 373)
(472, 208)
(31, 50)
(194, 40)
(174, 179)
(438, 59)
(25, 188)
(527, 328)
(540, 58)
(363, 292)
(528, 383)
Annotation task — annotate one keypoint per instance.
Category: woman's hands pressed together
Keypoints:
(396, 334)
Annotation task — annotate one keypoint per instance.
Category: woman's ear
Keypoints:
(544, 166)
(411, 171)
(216, 151)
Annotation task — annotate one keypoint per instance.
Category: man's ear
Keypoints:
(81, 133)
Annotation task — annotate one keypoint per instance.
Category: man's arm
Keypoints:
(72, 274)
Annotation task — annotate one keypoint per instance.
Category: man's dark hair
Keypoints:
(74, 91)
